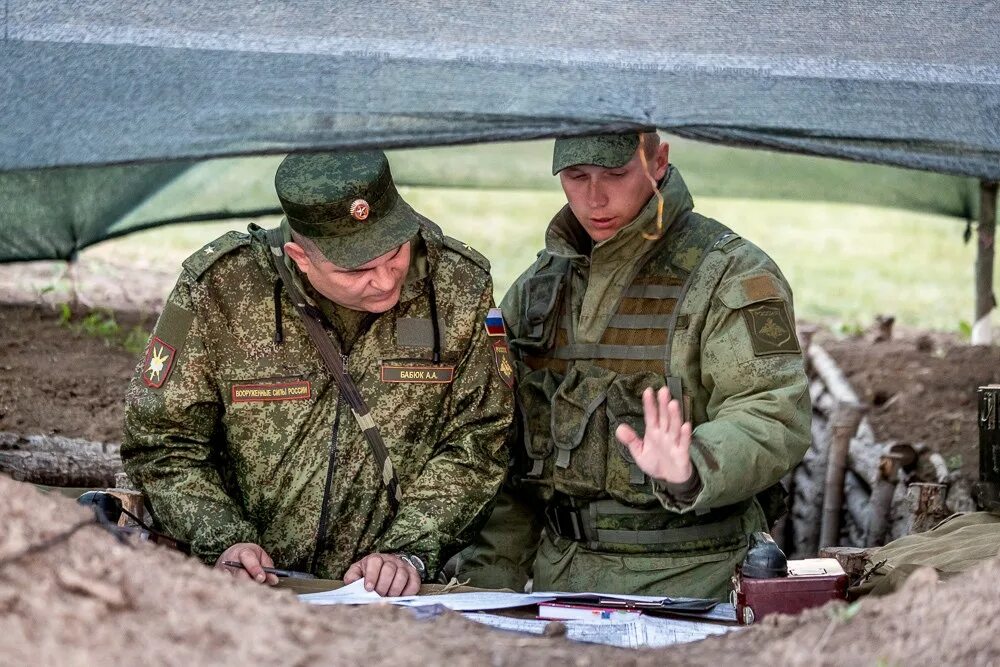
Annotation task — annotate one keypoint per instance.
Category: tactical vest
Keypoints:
(573, 395)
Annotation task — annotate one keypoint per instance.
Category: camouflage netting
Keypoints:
(87, 600)
(905, 83)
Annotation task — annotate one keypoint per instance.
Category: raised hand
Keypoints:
(664, 450)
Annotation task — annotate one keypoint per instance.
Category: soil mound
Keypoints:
(70, 594)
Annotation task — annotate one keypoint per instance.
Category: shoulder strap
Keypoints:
(715, 242)
(335, 364)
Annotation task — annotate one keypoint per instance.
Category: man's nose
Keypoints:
(382, 278)
(596, 196)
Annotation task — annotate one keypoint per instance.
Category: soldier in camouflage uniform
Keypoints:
(660, 389)
(236, 431)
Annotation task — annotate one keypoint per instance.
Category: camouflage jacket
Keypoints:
(232, 419)
(590, 328)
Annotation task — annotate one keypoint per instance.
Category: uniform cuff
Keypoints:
(680, 494)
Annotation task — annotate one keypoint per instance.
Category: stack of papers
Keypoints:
(702, 618)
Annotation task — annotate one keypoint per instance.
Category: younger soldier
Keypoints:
(249, 447)
(660, 386)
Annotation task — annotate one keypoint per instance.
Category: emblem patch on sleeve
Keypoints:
(505, 367)
(159, 362)
(771, 330)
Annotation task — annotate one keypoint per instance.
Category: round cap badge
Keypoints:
(360, 209)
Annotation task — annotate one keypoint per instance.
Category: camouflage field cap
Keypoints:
(346, 203)
(604, 150)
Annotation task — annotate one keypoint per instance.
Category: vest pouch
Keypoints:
(535, 392)
(580, 431)
(626, 483)
(541, 299)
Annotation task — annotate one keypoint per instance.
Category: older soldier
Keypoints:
(252, 445)
(660, 383)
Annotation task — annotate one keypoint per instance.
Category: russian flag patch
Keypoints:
(494, 323)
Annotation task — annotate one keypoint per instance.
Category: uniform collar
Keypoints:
(425, 254)
(566, 237)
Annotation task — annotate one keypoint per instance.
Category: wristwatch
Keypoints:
(417, 564)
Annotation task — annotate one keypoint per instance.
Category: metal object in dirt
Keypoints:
(988, 488)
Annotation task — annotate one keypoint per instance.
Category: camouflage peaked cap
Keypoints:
(604, 150)
(346, 203)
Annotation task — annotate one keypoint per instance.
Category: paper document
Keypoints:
(646, 631)
(489, 600)
(350, 594)
(479, 601)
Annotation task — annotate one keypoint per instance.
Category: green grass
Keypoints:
(846, 263)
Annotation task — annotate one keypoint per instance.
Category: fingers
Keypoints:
(265, 560)
(649, 412)
(672, 410)
(685, 440)
(413, 583)
(386, 575)
(372, 566)
(628, 437)
(401, 580)
(251, 564)
(354, 572)
(663, 408)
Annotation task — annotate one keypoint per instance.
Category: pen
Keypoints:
(291, 574)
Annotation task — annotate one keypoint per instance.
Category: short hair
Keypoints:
(649, 141)
(309, 247)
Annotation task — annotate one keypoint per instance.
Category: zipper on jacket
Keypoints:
(324, 513)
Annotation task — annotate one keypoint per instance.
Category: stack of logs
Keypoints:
(850, 489)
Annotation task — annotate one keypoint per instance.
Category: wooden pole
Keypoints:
(985, 250)
(844, 424)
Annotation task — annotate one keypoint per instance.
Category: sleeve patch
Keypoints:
(504, 366)
(158, 364)
(770, 327)
(759, 288)
(165, 344)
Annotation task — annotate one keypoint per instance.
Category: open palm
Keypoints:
(664, 450)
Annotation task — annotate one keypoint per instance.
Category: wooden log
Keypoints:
(844, 424)
(834, 379)
(58, 461)
(132, 501)
(856, 507)
(940, 467)
(863, 453)
(808, 499)
(960, 497)
(816, 390)
(927, 506)
(854, 560)
(881, 499)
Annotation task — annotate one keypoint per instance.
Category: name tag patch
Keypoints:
(420, 374)
(298, 390)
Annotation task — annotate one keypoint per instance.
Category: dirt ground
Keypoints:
(82, 598)
(88, 599)
(921, 389)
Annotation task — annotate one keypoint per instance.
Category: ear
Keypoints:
(299, 256)
(662, 160)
